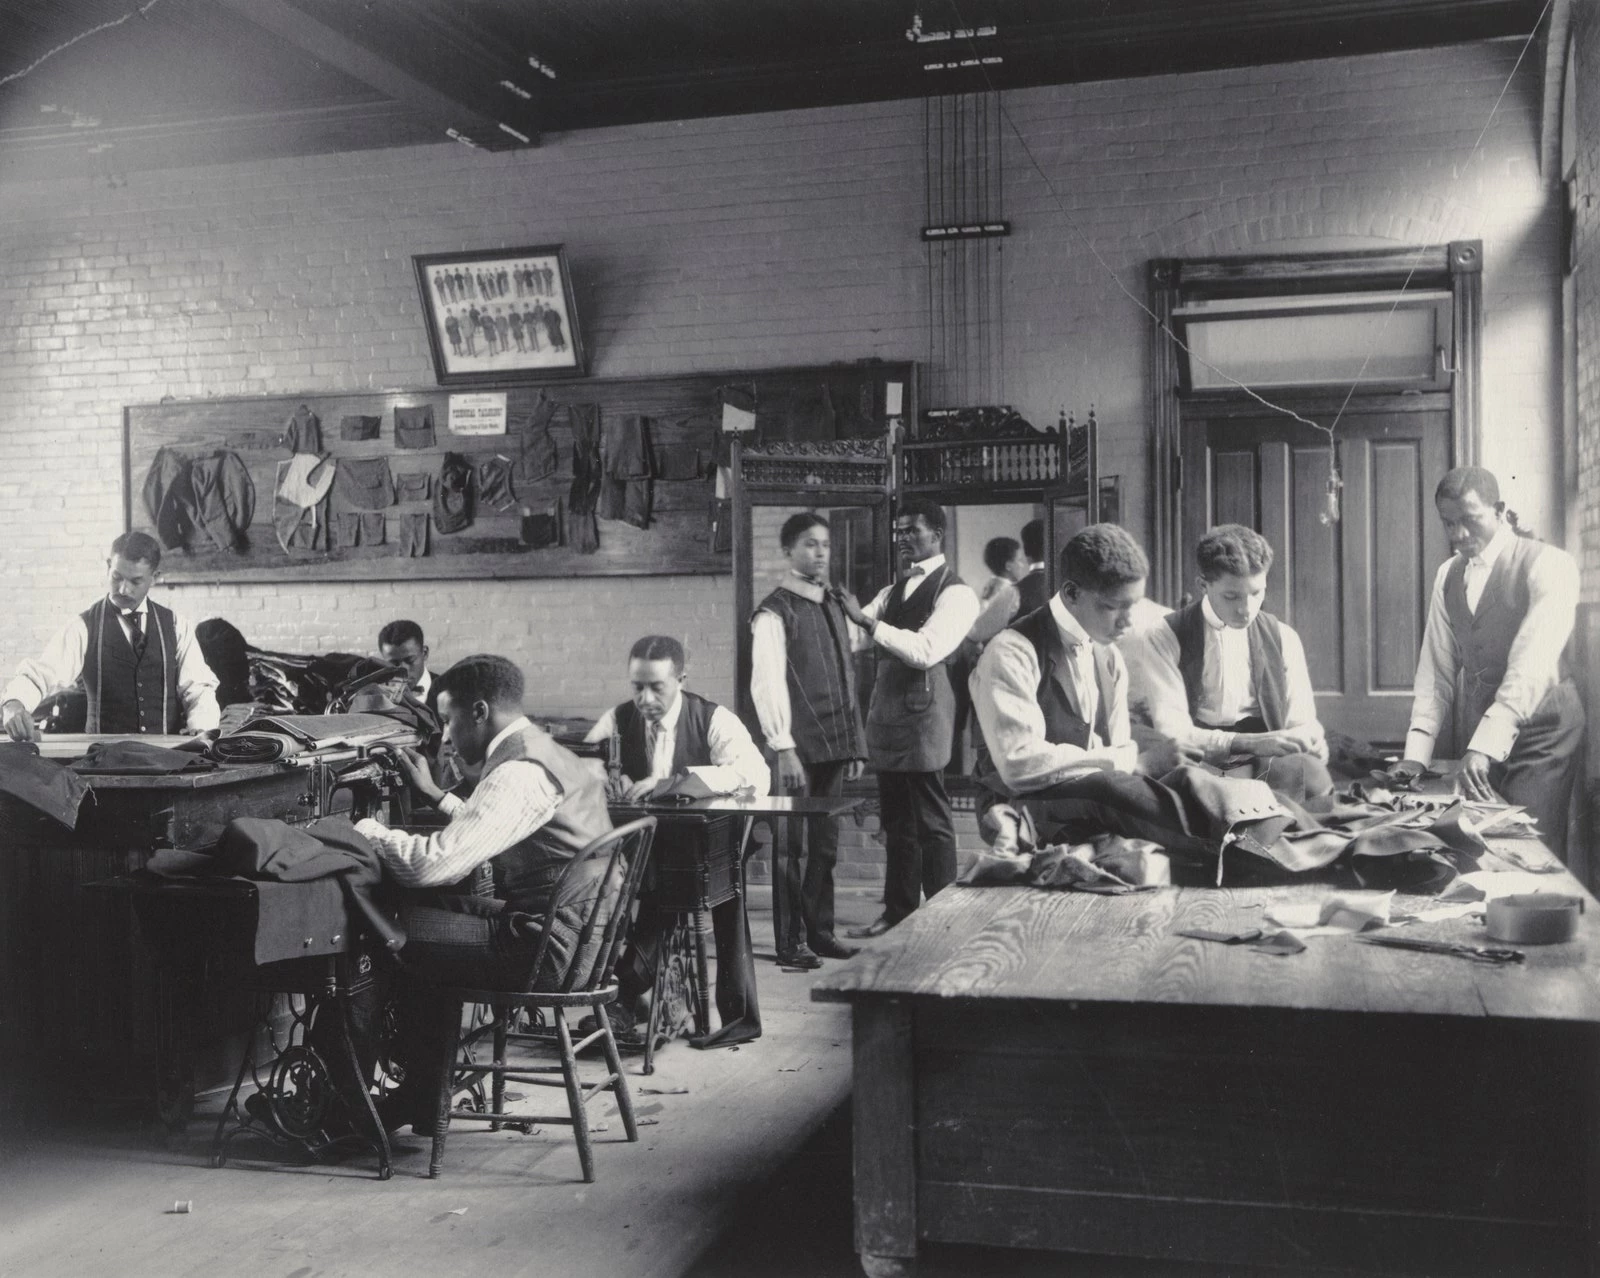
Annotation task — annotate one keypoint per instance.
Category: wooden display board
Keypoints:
(687, 530)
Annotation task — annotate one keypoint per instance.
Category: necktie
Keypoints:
(1473, 581)
(136, 631)
(658, 737)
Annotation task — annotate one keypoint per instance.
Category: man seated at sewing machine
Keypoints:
(139, 664)
(1228, 680)
(535, 807)
(1051, 695)
(661, 733)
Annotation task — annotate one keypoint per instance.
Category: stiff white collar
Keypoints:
(794, 583)
(515, 726)
(1072, 633)
(924, 566)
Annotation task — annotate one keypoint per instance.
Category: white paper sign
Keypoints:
(481, 413)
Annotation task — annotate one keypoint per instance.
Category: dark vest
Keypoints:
(1032, 594)
(525, 872)
(1484, 639)
(691, 747)
(129, 693)
(825, 716)
(1267, 681)
(911, 721)
(1063, 725)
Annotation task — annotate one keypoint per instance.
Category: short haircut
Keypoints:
(482, 677)
(137, 548)
(1103, 557)
(931, 511)
(1033, 540)
(999, 552)
(660, 648)
(796, 526)
(398, 632)
(1232, 550)
(1462, 480)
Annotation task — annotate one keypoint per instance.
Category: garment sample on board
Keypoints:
(412, 486)
(584, 496)
(168, 497)
(625, 488)
(453, 494)
(300, 501)
(413, 427)
(676, 461)
(358, 426)
(541, 529)
(224, 498)
(494, 484)
(363, 483)
(302, 432)
(413, 541)
(537, 458)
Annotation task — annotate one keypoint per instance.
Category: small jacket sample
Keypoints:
(454, 494)
(302, 433)
(202, 502)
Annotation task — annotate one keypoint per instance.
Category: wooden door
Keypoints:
(1356, 590)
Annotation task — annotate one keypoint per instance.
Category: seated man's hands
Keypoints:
(1473, 782)
(791, 773)
(413, 765)
(619, 789)
(1161, 757)
(1274, 745)
(19, 722)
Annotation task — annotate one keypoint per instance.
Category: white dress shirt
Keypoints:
(1160, 700)
(953, 614)
(423, 684)
(1532, 668)
(513, 801)
(1005, 696)
(735, 759)
(61, 663)
(998, 611)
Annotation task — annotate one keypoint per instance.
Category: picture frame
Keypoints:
(501, 316)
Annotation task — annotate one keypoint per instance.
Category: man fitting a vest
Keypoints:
(1226, 681)
(536, 806)
(803, 684)
(141, 668)
(663, 732)
(915, 626)
(1493, 685)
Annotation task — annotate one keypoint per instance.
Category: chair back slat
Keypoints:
(625, 851)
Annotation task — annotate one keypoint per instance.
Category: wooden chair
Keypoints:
(590, 984)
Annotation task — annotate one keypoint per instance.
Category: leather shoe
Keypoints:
(831, 947)
(801, 956)
(877, 927)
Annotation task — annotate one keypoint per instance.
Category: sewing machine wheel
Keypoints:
(300, 1091)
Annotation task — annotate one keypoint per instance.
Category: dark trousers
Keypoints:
(802, 908)
(1299, 776)
(1543, 767)
(920, 839)
(736, 965)
(1124, 803)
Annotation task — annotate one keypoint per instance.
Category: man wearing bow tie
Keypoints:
(140, 667)
(916, 627)
(1493, 681)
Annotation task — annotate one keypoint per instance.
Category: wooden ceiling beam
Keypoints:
(359, 60)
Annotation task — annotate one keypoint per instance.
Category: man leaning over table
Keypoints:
(664, 731)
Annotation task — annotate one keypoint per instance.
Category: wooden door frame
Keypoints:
(1457, 266)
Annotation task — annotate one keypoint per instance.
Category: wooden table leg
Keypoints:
(884, 1116)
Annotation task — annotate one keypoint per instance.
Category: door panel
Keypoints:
(1355, 589)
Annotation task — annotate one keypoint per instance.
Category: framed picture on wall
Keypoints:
(500, 315)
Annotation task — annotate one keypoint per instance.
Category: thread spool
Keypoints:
(1533, 918)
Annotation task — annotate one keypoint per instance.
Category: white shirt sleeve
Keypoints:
(513, 801)
(1534, 664)
(1433, 690)
(197, 685)
(996, 614)
(604, 726)
(735, 760)
(1004, 689)
(1159, 702)
(1301, 711)
(57, 667)
(953, 614)
(769, 679)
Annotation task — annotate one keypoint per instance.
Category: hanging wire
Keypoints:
(82, 35)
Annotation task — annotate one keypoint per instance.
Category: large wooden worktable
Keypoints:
(1057, 1070)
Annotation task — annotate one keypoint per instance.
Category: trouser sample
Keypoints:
(802, 905)
(494, 484)
(587, 474)
(919, 836)
(359, 528)
(413, 541)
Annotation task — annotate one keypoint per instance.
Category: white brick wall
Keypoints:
(746, 241)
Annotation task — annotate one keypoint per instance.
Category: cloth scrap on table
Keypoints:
(1110, 866)
(1339, 914)
(56, 791)
(139, 758)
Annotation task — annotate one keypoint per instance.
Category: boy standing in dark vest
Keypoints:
(1493, 686)
(663, 732)
(916, 626)
(141, 668)
(803, 684)
(1222, 679)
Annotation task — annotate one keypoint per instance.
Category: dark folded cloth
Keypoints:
(253, 747)
(139, 758)
(40, 783)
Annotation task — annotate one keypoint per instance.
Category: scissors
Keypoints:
(1477, 953)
